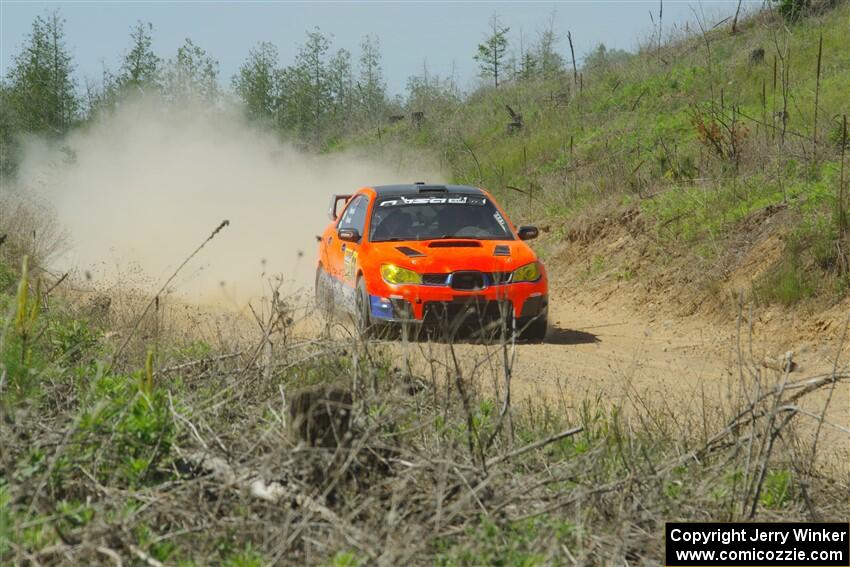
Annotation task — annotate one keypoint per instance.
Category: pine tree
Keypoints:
(491, 53)
(311, 81)
(339, 87)
(551, 63)
(257, 83)
(372, 90)
(10, 147)
(42, 91)
(140, 69)
(192, 75)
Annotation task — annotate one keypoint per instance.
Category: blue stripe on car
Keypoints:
(381, 308)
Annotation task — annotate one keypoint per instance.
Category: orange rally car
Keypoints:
(435, 255)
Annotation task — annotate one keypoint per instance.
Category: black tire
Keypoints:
(324, 294)
(362, 316)
(533, 329)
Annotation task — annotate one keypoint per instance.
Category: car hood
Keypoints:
(445, 256)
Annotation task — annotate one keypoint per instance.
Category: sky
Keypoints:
(443, 35)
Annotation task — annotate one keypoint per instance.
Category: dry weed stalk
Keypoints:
(421, 466)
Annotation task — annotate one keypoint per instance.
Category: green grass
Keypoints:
(809, 266)
(515, 544)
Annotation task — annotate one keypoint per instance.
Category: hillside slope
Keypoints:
(711, 147)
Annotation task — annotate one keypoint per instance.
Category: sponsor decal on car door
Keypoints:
(345, 253)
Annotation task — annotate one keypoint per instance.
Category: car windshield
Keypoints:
(429, 217)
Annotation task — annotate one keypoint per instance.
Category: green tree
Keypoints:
(10, 147)
(191, 75)
(551, 64)
(294, 112)
(42, 90)
(339, 82)
(792, 10)
(306, 90)
(491, 54)
(372, 90)
(603, 60)
(431, 94)
(103, 95)
(140, 68)
(257, 82)
(525, 66)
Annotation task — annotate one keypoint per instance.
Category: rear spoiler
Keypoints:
(335, 199)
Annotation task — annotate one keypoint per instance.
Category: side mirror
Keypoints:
(349, 234)
(528, 232)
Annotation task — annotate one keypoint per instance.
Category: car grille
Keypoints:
(497, 278)
(468, 280)
(434, 279)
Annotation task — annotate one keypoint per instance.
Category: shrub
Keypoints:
(792, 10)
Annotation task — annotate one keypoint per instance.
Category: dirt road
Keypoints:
(610, 352)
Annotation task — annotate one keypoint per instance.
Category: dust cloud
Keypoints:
(144, 185)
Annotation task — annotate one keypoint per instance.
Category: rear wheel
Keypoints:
(324, 294)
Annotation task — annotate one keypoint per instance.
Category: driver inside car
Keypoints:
(397, 222)
(453, 221)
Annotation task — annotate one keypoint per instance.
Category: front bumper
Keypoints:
(434, 304)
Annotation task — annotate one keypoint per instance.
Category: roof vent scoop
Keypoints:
(455, 244)
(431, 188)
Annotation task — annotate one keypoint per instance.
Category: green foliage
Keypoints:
(41, 86)
(146, 379)
(247, 557)
(372, 90)
(776, 491)
(26, 312)
(141, 67)
(515, 544)
(256, 83)
(191, 76)
(316, 98)
(193, 350)
(10, 145)
(432, 95)
(491, 54)
(792, 10)
(7, 278)
(787, 283)
(810, 264)
(603, 60)
(74, 514)
(6, 520)
(72, 339)
(346, 559)
(138, 420)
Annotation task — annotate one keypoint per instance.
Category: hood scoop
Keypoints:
(410, 252)
(502, 250)
(455, 244)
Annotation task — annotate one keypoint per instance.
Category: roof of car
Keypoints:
(406, 189)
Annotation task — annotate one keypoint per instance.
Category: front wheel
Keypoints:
(362, 315)
(533, 329)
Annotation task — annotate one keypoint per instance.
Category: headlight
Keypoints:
(397, 275)
(528, 273)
